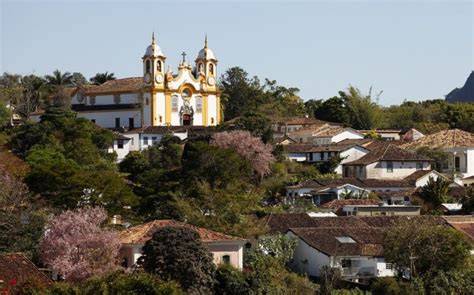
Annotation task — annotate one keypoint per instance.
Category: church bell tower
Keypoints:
(154, 65)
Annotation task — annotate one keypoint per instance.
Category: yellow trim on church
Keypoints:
(168, 108)
(205, 110)
(218, 110)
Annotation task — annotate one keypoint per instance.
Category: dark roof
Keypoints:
(281, 222)
(119, 85)
(389, 152)
(463, 223)
(281, 139)
(16, 268)
(444, 139)
(368, 241)
(391, 221)
(104, 107)
(118, 135)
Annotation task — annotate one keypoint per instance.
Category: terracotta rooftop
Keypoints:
(16, 268)
(141, 233)
(444, 139)
(365, 241)
(388, 153)
(119, 85)
(359, 182)
(337, 204)
(391, 221)
(463, 223)
(281, 139)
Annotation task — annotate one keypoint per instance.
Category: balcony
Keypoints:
(358, 272)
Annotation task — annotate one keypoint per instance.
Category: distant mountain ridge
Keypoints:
(464, 94)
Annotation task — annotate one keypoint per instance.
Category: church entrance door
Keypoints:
(186, 119)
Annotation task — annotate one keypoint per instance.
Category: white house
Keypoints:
(355, 251)
(386, 162)
(405, 134)
(457, 143)
(224, 248)
(324, 134)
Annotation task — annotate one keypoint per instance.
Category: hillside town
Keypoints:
(197, 181)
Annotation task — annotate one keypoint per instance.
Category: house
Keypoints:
(405, 134)
(283, 140)
(324, 134)
(311, 153)
(224, 248)
(387, 162)
(467, 181)
(457, 143)
(421, 177)
(120, 145)
(16, 270)
(324, 190)
(356, 251)
(285, 125)
(381, 209)
(337, 205)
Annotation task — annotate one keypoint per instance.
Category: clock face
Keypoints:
(159, 78)
(147, 78)
(211, 81)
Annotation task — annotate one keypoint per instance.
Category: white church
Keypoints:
(160, 97)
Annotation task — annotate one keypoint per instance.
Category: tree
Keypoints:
(439, 156)
(333, 110)
(177, 253)
(21, 217)
(101, 78)
(436, 191)
(77, 247)
(363, 112)
(59, 79)
(385, 286)
(467, 200)
(5, 115)
(426, 248)
(247, 146)
(56, 85)
(78, 79)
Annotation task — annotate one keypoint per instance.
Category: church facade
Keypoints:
(160, 97)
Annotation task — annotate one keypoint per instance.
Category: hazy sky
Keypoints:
(409, 49)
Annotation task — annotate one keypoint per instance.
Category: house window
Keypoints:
(120, 144)
(346, 263)
(161, 119)
(145, 140)
(117, 122)
(226, 259)
(131, 123)
(310, 156)
(389, 166)
(174, 103)
(198, 104)
(117, 98)
(153, 140)
(93, 121)
(419, 166)
(457, 163)
(92, 100)
(212, 120)
(388, 266)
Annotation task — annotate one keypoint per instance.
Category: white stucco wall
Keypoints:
(121, 153)
(307, 260)
(298, 157)
(106, 119)
(379, 170)
(349, 155)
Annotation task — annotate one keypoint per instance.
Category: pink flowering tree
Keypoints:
(247, 146)
(77, 247)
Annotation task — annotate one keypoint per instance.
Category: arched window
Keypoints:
(147, 67)
(211, 69)
(174, 103)
(212, 120)
(201, 68)
(226, 259)
(198, 104)
(158, 66)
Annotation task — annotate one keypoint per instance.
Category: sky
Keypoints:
(410, 50)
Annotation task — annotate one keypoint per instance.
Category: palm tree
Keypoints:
(101, 78)
(59, 79)
(56, 85)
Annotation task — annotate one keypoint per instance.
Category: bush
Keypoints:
(230, 281)
(385, 286)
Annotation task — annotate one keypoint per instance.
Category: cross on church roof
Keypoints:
(184, 56)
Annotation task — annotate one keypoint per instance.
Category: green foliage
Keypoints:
(372, 134)
(329, 166)
(279, 247)
(425, 248)
(450, 282)
(4, 115)
(255, 123)
(468, 200)
(177, 253)
(231, 281)
(436, 191)
(439, 156)
(69, 163)
(385, 286)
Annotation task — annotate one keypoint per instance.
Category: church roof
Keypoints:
(119, 85)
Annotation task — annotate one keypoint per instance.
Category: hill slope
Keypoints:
(464, 94)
